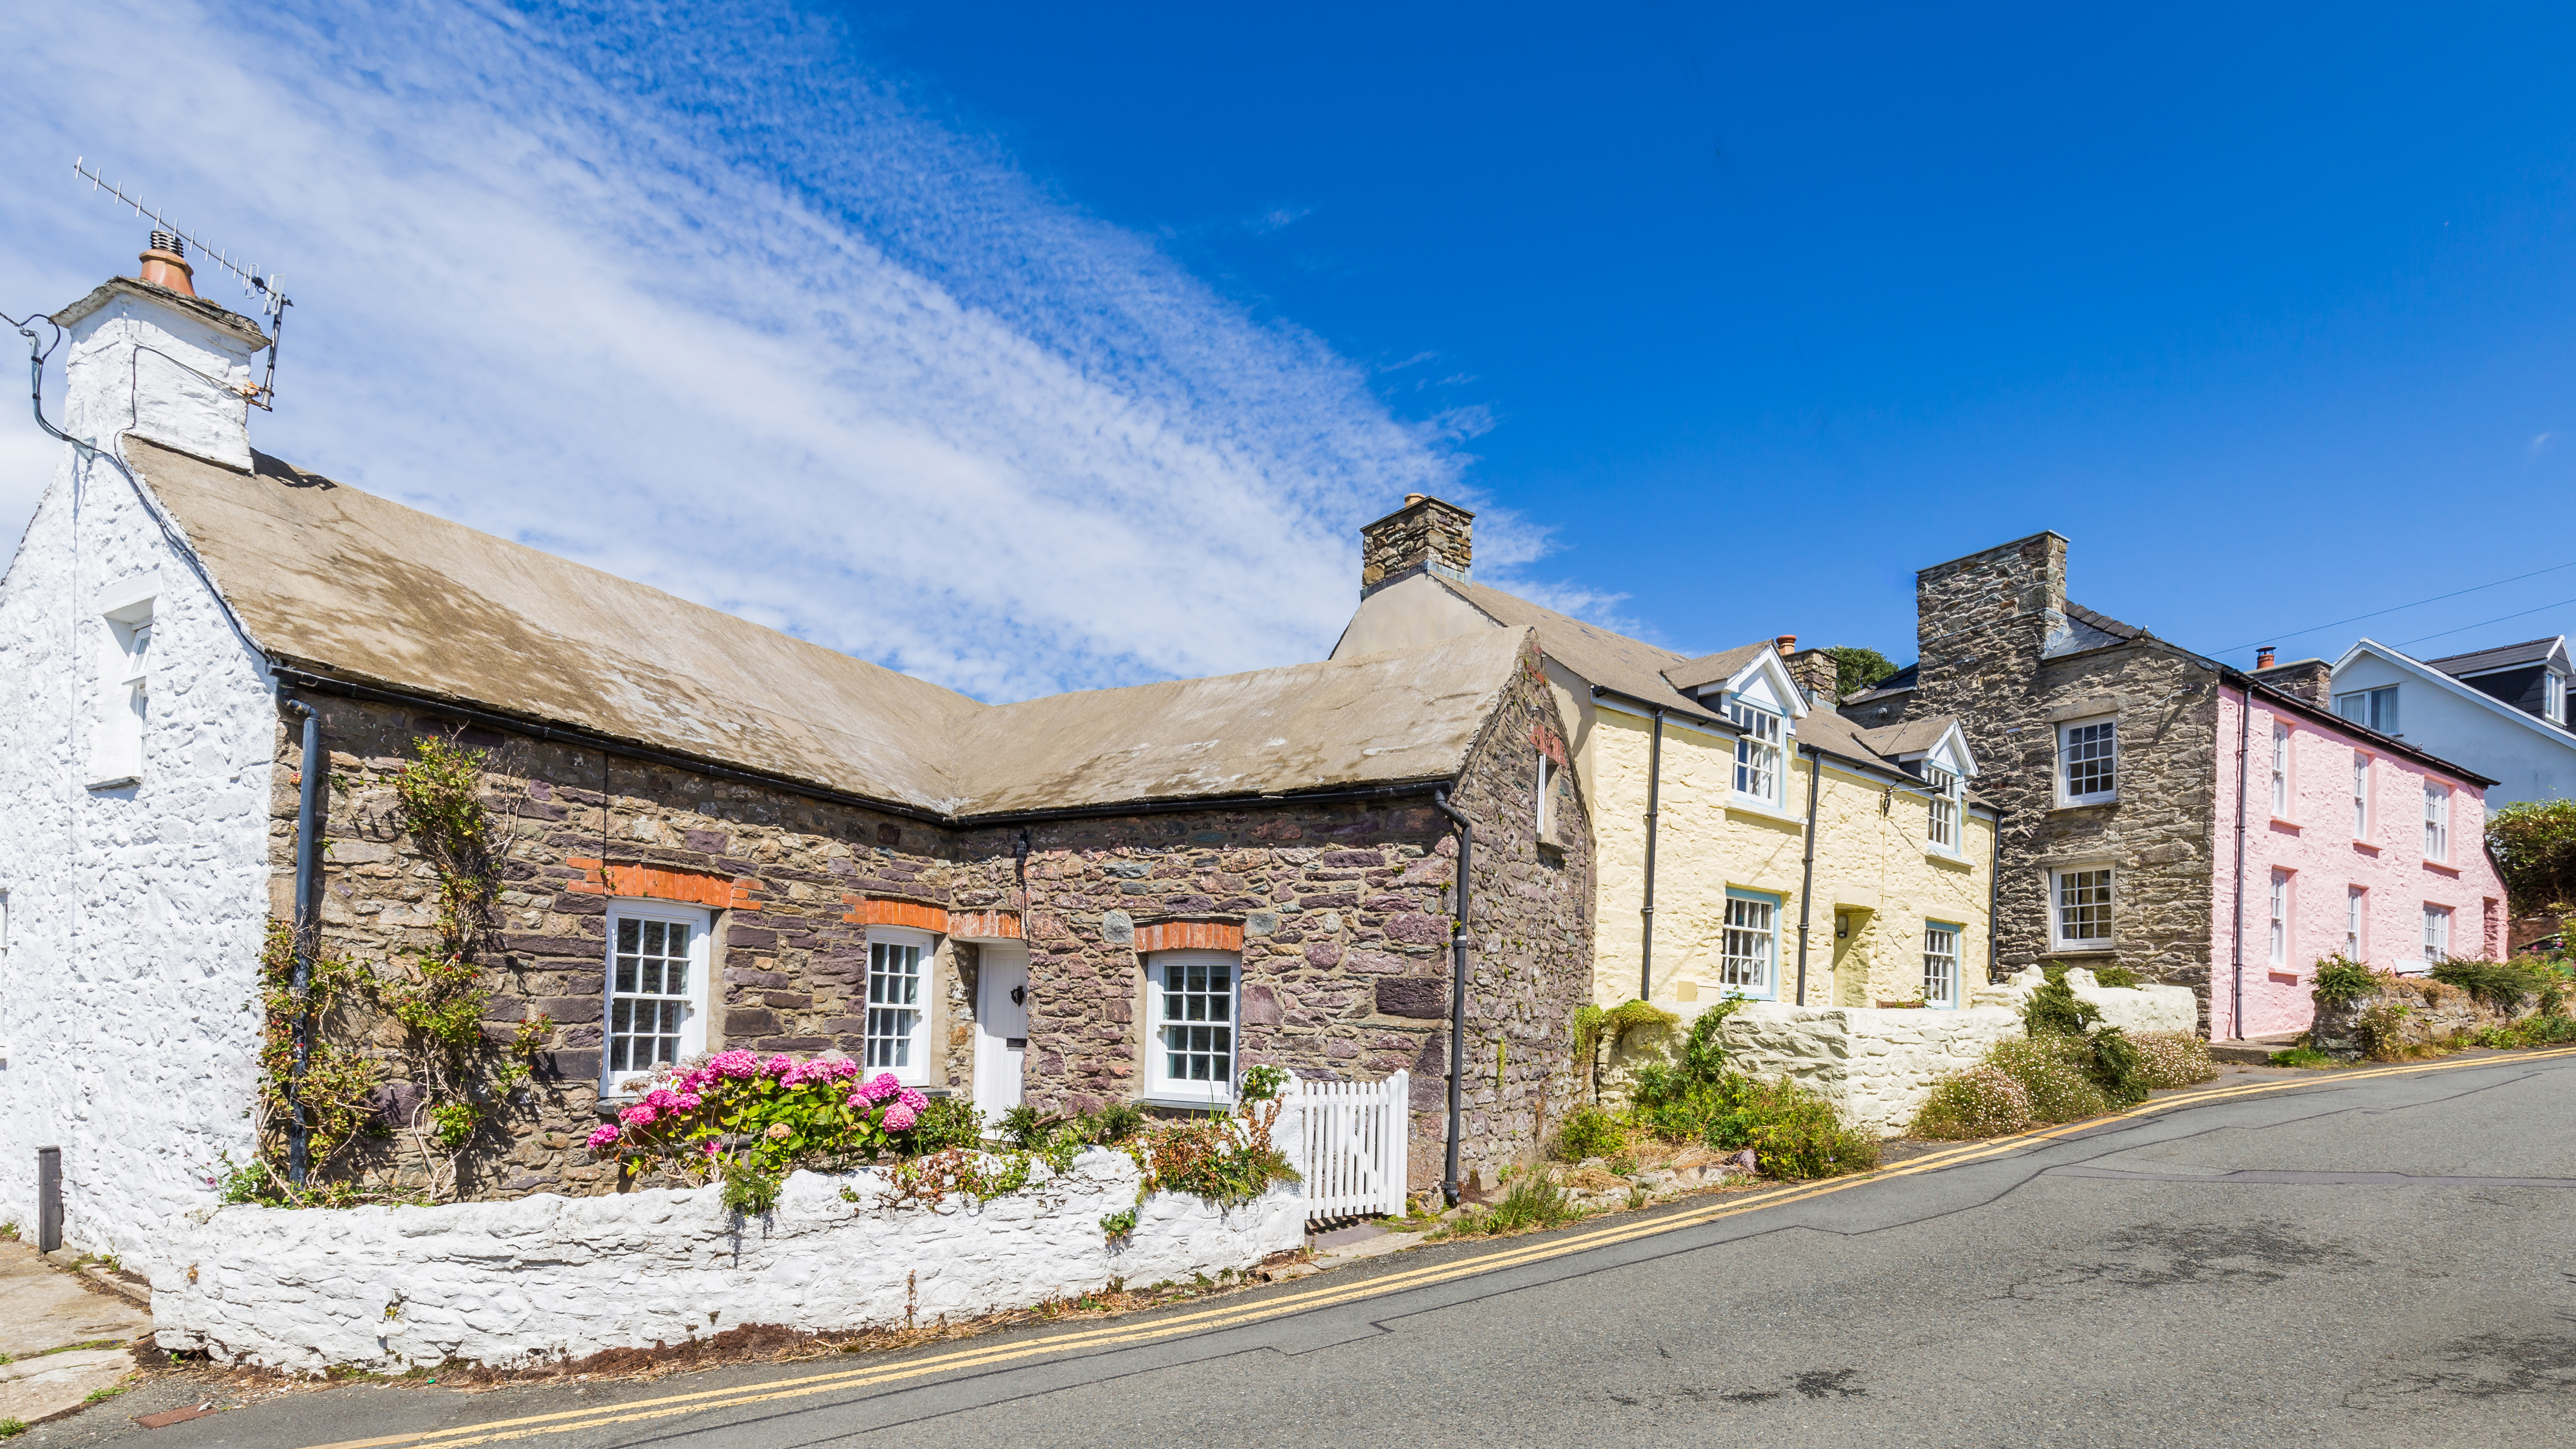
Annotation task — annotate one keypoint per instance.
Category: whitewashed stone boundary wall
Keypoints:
(1875, 1064)
(547, 1278)
(2133, 1009)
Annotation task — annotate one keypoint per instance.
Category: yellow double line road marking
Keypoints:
(1209, 1320)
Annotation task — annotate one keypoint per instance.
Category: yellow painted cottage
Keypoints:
(1747, 839)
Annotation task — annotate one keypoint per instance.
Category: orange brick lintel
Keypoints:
(1189, 936)
(988, 925)
(663, 883)
(879, 911)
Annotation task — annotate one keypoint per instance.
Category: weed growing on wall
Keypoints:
(1792, 1131)
(420, 1024)
(2504, 985)
(2342, 981)
(1590, 1132)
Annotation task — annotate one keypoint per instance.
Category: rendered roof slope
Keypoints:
(366, 588)
(1401, 716)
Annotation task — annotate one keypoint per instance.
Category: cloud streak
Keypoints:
(699, 298)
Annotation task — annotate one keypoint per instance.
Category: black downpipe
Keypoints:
(1995, 898)
(308, 851)
(1457, 995)
(1807, 879)
(1654, 801)
(2244, 737)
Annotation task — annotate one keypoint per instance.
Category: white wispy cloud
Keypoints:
(693, 296)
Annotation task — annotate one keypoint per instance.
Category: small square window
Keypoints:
(2080, 911)
(2374, 709)
(1940, 964)
(1192, 1018)
(897, 1025)
(2088, 760)
(657, 981)
(1749, 948)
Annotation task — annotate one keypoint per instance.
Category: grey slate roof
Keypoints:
(2089, 630)
(350, 585)
(1716, 668)
(1913, 736)
(2503, 656)
(1600, 656)
(1902, 681)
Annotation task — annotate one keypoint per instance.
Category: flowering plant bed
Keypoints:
(749, 1122)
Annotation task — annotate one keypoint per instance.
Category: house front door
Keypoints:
(1001, 1027)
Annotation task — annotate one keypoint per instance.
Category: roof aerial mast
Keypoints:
(260, 287)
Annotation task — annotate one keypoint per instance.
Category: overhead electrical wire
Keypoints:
(2464, 628)
(2419, 603)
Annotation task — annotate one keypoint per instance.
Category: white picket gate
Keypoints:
(1348, 1141)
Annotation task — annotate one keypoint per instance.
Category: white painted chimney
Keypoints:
(159, 362)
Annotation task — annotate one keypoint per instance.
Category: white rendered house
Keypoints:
(2457, 716)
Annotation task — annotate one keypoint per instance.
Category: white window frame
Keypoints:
(2280, 909)
(1941, 963)
(2553, 697)
(894, 1032)
(693, 1001)
(1760, 751)
(124, 695)
(2061, 883)
(2356, 923)
(1748, 960)
(2067, 743)
(2437, 934)
(2363, 767)
(1226, 1035)
(2437, 822)
(1941, 828)
(2372, 709)
(2281, 771)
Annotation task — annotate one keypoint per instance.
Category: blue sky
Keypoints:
(1031, 347)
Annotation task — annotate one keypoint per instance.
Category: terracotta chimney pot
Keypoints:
(2263, 657)
(1788, 643)
(165, 264)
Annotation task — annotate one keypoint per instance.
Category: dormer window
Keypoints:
(2553, 698)
(1758, 750)
(1943, 834)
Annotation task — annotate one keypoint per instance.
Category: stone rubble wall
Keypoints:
(2434, 1012)
(546, 1279)
(1875, 1064)
(2133, 1009)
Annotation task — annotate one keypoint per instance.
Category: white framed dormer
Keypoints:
(658, 965)
(1945, 768)
(2088, 761)
(1190, 1026)
(121, 701)
(897, 1039)
(1763, 702)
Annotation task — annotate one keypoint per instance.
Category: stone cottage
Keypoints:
(1748, 843)
(2196, 824)
(712, 834)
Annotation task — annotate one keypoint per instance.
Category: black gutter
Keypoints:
(1807, 880)
(558, 734)
(1603, 691)
(308, 851)
(1457, 994)
(1654, 800)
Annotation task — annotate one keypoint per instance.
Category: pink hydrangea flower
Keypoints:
(844, 1067)
(638, 1115)
(660, 1099)
(603, 1137)
(898, 1118)
(735, 1063)
(912, 1101)
(880, 1087)
(777, 1066)
(687, 1101)
(779, 1132)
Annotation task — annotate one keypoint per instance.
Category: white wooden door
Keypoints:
(1001, 1027)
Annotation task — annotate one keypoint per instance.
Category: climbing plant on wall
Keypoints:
(400, 1051)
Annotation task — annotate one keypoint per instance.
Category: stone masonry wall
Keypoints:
(1982, 624)
(1341, 912)
(1424, 531)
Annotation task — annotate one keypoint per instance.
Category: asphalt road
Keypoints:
(2383, 1260)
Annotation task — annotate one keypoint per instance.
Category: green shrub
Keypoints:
(1115, 1124)
(2535, 850)
(2172, 1059)
(2380, 1030)
(1982, 1101)
(1589, 1132)
(1592, 1023)
(750, 1189)
(947, 1122)
(2051, 1071)
(2503, 985)
(1533, 1202)
(1026, 1127)
(2115, 1067)
(1793, 1132)
(2301, 1056)
(2055, 1010)
(2342, 981)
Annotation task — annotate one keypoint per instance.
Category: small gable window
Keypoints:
(1758, 751)
(2370, 708)
(1943, 833)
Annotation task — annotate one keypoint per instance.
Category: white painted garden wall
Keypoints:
(1875, 1065)
(2133, 1009)
(134, 912)
(547, 1278)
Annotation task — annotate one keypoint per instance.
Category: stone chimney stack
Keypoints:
(1424, 536)
(1983, 621)
(1814, 669)
(2308, 679)
(151, 358)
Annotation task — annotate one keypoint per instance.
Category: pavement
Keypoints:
(62, 1337)
(2382, 1256)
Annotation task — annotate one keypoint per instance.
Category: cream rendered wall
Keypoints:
(1870, 863)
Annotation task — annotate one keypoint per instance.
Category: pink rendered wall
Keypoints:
(2315, 843)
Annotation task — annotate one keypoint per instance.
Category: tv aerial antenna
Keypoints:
(261, 287)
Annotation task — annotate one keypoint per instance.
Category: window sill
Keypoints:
(2291, 826)
(2452, 871)
(114, 782)
(2365, 845)
(1755, 808)
(2084, 804)
(1938, 856)
(1187, 1104)
(2084, 950)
